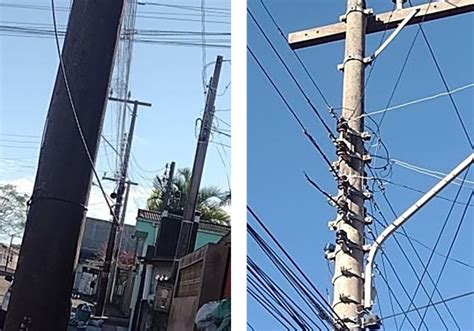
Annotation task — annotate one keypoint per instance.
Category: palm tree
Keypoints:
(211, 199)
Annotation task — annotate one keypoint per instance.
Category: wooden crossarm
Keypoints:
(381, 22)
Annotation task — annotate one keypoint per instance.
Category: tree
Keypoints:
(12, 210)
(211, 199)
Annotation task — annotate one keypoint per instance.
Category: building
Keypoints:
(96, 235)
(154, 278)
(91, 254)
(8, 258)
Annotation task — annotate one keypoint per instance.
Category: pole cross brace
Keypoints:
(392, 36)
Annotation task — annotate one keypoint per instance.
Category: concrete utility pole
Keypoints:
(119, 239)
(349, 257)
(44, 277)
(185, 239)
(169, 188)
(348, 254)
(106, 270)
(166, 197)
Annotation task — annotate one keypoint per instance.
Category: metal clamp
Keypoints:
(347, 272)
(364, 60)
(351, 9)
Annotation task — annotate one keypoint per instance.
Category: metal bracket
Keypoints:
(371, 322)
(347, 272)
(332, 225)
(365, 60)
(347, 299)
(366, 11)
(387, 42)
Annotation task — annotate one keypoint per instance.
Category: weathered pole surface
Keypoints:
(348, 281)
(44, 277)
(185, 240)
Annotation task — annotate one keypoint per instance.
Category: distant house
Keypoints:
(92, 250)
(96, 235)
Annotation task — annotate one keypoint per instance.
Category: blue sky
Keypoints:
(167, 76)
(426, 134)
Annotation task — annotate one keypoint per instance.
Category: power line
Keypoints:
(429, 305)
(445, 83)
(437, 242)
(326, 305)
(389, 293)
(271, 288)
(413, 102)
(269, 308)
(453, 241)
(405, 254)
(308, 298)
(425, 245)
(321, 94)
(300, 88)
(186, 7)
(293, 113)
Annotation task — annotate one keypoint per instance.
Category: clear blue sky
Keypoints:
(168, 76)
(426, 134)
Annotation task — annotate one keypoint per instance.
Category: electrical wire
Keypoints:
(313, 81)
(413, 102)
(400, 246)
(445, 223)
(269, 308)
(453, 241)
(428, 172)
(293, 113)
(290, 73)
(425, 245)
(307, 297)
(273, 290)
(445, 83)
(430, 305)
(326, 305)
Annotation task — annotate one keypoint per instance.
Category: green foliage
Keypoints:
(12, 210)
(211, 199)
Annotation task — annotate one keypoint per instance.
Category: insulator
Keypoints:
(342, 125)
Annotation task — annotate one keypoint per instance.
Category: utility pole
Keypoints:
(168, 189)
(166, 197)
(9, 253)
(185, 239)
(41, 295)
(348, 253)
(349, 257)
(122, 178)
(119, 239)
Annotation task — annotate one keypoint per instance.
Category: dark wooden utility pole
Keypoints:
(185, 240)
(44, 277)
